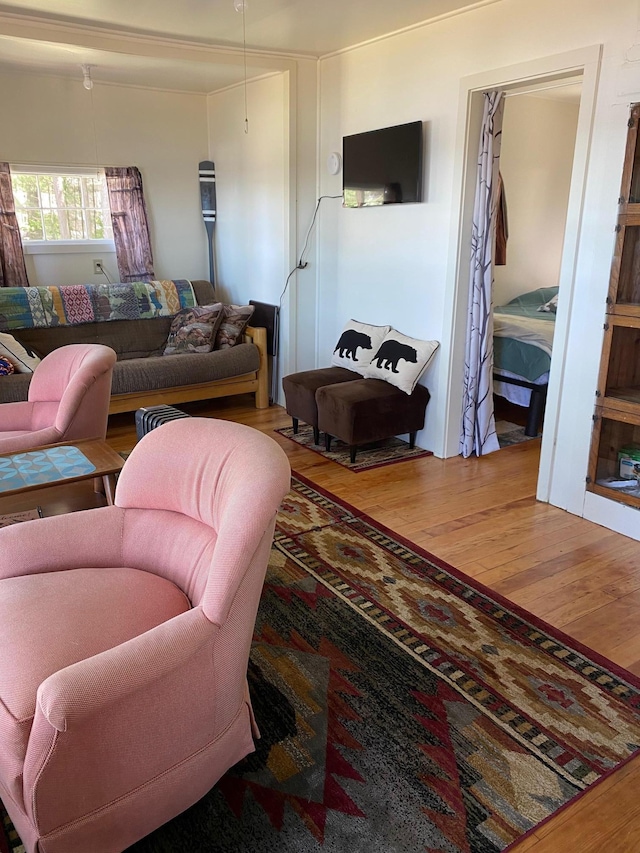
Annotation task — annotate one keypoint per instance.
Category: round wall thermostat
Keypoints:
(334, 163)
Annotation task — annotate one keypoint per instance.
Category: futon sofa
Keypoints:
(142, 375)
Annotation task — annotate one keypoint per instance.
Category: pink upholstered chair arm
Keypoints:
(15, 416)
(230, 571)
(30, 440)
(76, 540)
(87, 687)
(72, 400)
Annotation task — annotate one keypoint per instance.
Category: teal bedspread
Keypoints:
(527, 304)
(515, 356)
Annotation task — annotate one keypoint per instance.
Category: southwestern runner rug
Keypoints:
(403, 707)
(369, 456)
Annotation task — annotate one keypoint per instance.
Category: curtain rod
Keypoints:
(54, 169)
(39, 164)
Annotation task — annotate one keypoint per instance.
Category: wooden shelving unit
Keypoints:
(617, 411)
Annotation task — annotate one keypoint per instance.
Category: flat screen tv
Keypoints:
(383, 166)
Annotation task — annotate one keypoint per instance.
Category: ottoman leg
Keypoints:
(352, 453)
(316, 435)
(327, 442)
(294, 421)
(412, 440)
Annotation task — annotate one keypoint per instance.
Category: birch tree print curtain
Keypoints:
(130, 226)
(478, 424)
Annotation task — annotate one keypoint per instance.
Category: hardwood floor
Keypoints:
(482, 517)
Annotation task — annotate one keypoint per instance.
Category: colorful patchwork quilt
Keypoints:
(73, 304)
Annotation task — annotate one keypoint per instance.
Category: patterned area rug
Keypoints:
(9, 840)
(403, 707)
(368, 456)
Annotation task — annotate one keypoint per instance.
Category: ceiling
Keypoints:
(56, 36)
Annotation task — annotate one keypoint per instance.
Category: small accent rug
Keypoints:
(509, 434)
(17, 517)
(368, 456)
(403, 707)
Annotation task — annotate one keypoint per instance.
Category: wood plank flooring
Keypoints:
(481, 515)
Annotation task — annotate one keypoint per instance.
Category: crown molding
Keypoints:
(39, 28)
(240, 84)
(445, 16)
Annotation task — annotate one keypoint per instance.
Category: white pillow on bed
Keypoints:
(551, 306)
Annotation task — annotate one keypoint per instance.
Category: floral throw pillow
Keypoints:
(22, 359)
(400, 360)
(234, 321)
(194, 329)
(6, 368)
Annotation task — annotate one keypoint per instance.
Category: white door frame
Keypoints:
(584, 62)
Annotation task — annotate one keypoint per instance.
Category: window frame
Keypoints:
(38, 247)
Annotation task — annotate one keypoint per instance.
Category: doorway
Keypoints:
(538, 143)
(581, 64)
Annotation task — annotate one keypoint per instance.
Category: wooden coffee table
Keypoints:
(60, 464)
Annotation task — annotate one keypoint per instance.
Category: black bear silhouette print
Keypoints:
(391, 352)
(349, 342)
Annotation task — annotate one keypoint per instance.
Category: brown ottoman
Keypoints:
(369, 410)
(300, 393)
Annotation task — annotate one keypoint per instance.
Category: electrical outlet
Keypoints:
(97, 267)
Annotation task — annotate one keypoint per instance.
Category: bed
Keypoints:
(522, 344)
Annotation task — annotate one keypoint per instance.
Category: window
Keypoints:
(68, 205)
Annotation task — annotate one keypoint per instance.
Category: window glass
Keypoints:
(61, 207)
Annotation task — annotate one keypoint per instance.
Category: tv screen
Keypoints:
(383, 166)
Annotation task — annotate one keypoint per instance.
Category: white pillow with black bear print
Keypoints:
(400, 360)
(357, 344)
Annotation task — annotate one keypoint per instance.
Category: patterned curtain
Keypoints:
(130, 226)
(478, 424)
(13, 272)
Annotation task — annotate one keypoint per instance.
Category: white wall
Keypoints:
(163, 133)
(266, 192)
(394, 264)
(251, 173)
(70, 265)
(538, 141)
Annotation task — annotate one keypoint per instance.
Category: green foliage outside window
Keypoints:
(61, 207)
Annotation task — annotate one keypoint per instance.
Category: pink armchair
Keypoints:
(125, 634)
(68, 399)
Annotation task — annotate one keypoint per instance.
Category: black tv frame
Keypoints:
(384, 165)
